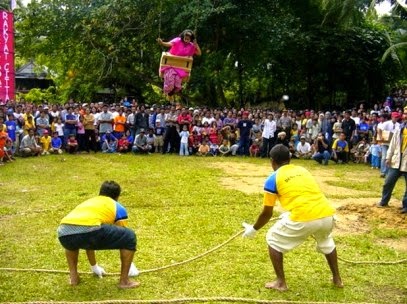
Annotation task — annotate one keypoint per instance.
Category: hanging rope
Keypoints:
(159, 18)
(189, 300)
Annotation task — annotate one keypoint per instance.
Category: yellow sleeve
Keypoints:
(269, 199)
(334, 144)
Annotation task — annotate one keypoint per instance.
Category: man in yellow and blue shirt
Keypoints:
(308, 214)
(98, 224)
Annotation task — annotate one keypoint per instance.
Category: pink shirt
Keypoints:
(179, 48)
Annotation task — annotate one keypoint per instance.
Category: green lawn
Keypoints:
(178, 209)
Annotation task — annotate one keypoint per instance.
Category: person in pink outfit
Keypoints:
(184, 45)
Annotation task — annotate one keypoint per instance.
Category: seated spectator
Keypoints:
(140, 143)
(321, 148)
(254, 149)
(123, 144)
(340, 149)
(72, 144)
(213, 148)
(359, 151)
(194, 142)
(282, 139)
(56, 144)
(8, 150)
(45, 141)
(203, 149)
(3, 139)
(304, 150)
(29, 146)
(109, 145)
(224, 148)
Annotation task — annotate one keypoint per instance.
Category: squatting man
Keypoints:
(309, 214)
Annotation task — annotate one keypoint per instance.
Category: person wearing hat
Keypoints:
(309, 214)
(385, 132)
(140, 143)
(396, 160)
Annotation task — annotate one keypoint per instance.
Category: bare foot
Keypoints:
(337, 282)
(277, 285)
(74, 280)
(129, 284)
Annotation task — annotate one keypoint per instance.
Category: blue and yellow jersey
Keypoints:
(97, 211)
(298, 193)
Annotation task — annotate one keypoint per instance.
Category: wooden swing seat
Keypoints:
(180, 62)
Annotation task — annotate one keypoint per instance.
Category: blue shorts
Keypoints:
(107, 237)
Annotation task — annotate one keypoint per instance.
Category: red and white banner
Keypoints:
(7, 73)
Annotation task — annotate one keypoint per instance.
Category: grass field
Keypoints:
(181, 207)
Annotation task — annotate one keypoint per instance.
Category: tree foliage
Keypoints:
(253, 51)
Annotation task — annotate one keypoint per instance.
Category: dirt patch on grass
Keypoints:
(355, 214)
(396, 244)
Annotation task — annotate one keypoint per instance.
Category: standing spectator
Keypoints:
(309, 214)
(141, 120)
(171, 137)
(42, 123)
(375, 152)
(396, 160)
(385, 131)
(362, 129)
(11, 127)
(326, 127)
(90, 135)
(105, 121)
(159, 136)
(348, 127)
(268, 135)
(70, 124)
(131, 118)
(81, 135)
(119, 124)
(151, 139)
(184, 119)
(184, 135)
(244, 126)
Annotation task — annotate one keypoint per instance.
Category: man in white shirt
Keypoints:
(269, 129)
(303, 149)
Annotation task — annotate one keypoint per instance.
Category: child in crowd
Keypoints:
(184, 136)
(56, 144)
(203, 148)
(109, 145)
(58, 127)
(45, 141)
(359, 151)
(123, 144)
(81, 134)
(159, 137)
(72, 144)
(375, 152)
(254, 149)
(3, 139)
(213, 148)
(194, 142)
(224, 148)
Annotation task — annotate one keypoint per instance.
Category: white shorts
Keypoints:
(286, 234)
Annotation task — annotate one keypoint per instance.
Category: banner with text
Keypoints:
(7, 73)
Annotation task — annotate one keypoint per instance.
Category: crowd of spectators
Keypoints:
(359, 135)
